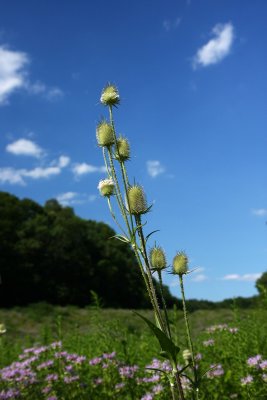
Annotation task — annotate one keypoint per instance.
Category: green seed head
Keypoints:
(137, 200)
(187, 356)
(106, 187)
(2, 329)
(110, 96)
(157, 258)
(104, 134)
(123, 153)
(180, 264)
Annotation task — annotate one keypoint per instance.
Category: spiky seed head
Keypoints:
(123, 147)
(137, 203)
(110, 96)
(180, 263)
(104, 134)
(106, 187)
(187, 356)
(157, 258)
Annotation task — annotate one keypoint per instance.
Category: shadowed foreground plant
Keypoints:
(130, 200)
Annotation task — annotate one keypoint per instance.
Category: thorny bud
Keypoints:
(104, 134)
(180, 264)
(157, 258)
(123, 149)
(110, 96)
(106, 187)
(136, 200)
(187, 356)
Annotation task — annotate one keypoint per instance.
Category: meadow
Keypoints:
(52, 352)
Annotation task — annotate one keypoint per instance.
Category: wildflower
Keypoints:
(70, 379)
(157, 389)
(208, 343)
(180, 264)
(215, 371)
(51, 377)
(45, 364)
(254, 361)
(95, 361)
(128, 371)
(104, 134)
(110, 96)
(247, 380)
(46, 389)
(157, 258)
(233, 330)
(147, 396)
(263, 365)
(123, 150)
(98, 381)
(109, 356)
(137, 200)
(264, 377)
(119, 386)
(106, 187)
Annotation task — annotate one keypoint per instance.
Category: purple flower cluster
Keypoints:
(209, 342)
(220, 328)
(215, 371)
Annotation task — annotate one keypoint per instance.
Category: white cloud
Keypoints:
(24, 147)
(39, 88)
(11, 175)
(260, 212)
(245, 277)
(154, 168)
(12, 72)
(83, 168)
(17, 176)
(199, 278)
(63, 161)
(217, 48)
(71, 198)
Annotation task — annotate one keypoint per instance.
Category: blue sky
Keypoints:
(193, 88)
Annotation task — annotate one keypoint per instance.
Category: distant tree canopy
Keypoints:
(261, 284)
(50, 254)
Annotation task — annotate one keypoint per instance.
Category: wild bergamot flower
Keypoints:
(106, 187)
(110, 96)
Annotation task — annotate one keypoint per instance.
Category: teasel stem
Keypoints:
(149, 274)
(189, 339)
(118, 192)
(106, 162)
(114, 218)
(122, 166)
(164, 304)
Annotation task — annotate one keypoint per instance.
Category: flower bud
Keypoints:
(187, 356)
(106, 187)
(110, 96)
(104, 134)
(136, 199)
(157, 258)
(123, 149)
(180, 264)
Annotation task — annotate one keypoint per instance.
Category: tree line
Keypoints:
(49, 254)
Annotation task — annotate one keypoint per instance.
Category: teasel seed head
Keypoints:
(106, 187)
(157, 258)
(123, 149)
(136, 200)
(104, 134)
(180, 264)
(110, 96)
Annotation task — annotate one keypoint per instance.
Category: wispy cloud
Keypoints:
(49, 93)
(198, 275)
(154, 168)
(24, 147)
(171, 24)
(259, 212)
(83, 169)
(245, 277)
(17, 176)
(72, 198)
(12, 72)
(217, 48)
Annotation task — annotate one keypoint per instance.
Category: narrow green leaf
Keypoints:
(151, 233)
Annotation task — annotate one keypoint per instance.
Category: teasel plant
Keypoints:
(131, 205)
